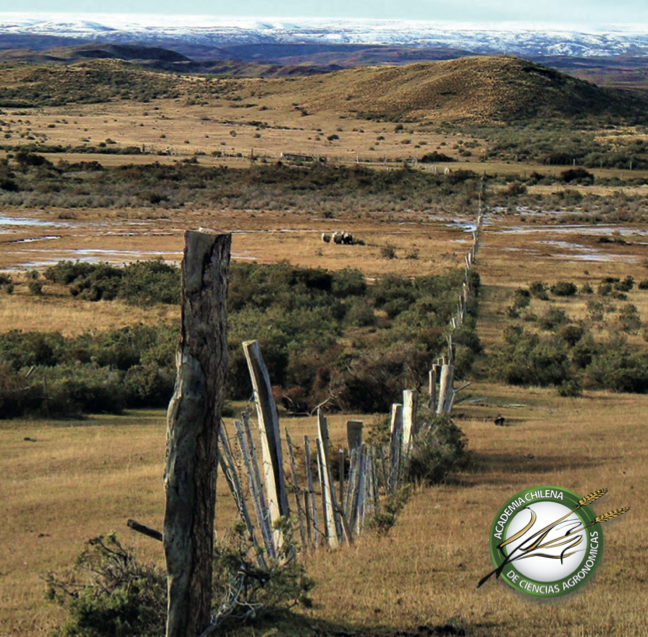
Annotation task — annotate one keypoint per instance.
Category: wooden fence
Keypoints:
(325, 513)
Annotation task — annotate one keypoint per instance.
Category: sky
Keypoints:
(572, 12)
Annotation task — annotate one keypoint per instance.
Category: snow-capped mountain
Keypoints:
(515, 38)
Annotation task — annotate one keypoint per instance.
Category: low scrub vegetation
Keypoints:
(110, 593)
(325, 337)
(554, 349)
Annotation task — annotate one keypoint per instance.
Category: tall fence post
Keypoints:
(193, 424)
(409, 421)
(273, 472)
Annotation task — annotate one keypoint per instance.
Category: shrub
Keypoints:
(538, 289)
(383, 521)
(515, 188)
(595, 310)
(643, 285)
(553, 318)
(624, 286)
(526, 359)
(388, 252)
(620, 368)
(571, 388)
(571, 334)
(629, 318)
(579, 175)
(604, 289)
(438, 449)
(584, 352)
(35, 287)
(564, 288)
(521, 298)
(436, 157)
(110, 593)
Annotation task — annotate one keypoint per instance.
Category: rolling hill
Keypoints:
(471, 89)
(478, 90)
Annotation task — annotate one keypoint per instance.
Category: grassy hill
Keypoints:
(472, 89)
(479, 90)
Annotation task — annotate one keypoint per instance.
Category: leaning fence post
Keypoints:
(193, 423)
(269, 429)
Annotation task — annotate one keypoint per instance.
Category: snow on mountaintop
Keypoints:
(516, 38)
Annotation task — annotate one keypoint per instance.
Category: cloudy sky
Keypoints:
(572, 12)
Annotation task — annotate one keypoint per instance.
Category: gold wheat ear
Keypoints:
(588, 499)
(610, 515)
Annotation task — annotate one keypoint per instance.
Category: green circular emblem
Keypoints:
(546, 542)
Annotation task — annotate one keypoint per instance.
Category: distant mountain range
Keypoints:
(191, 34)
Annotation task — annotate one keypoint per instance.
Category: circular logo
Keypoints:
(546, 541)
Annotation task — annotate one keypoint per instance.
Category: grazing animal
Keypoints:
(326, 238)
(499, 420)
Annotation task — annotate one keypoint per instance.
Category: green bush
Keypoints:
(527, 359)
(629, 319)
(553, 318)
(438, 449)
(577, 175)
(624, 286)
(620, 368)
(564, 288)
(110, 593)
(571, 334)
(281, 585)
(538, 289)
(521, 298)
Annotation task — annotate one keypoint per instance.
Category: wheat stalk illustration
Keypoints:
(592, 497)
(610, 515)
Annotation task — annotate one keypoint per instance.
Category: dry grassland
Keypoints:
(81, 479)
(78, 480)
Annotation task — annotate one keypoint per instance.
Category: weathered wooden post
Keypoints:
(354, 433)
(273, 471)
(328, 492)
(193, 423)
(445, 389)
(433, 381)
(409, 421)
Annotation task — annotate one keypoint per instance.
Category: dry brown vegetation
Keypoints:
(425, 572)
(63, 482)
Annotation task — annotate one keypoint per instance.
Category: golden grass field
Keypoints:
(74, 480)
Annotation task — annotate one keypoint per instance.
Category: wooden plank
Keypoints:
(328, 495)
(193, 424)
(272, 457)
(433, 381)
(445, 389)
(396, 430)
(267, 526)
(311, 489)
(409, 421)
(255, 486)
(354, 433)
(296, 491)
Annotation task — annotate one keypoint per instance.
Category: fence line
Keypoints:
(371, 468)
